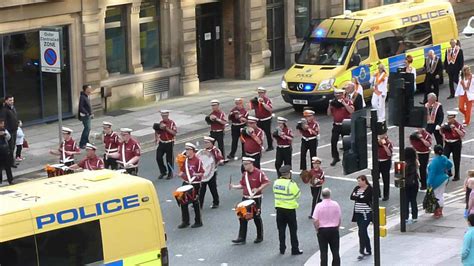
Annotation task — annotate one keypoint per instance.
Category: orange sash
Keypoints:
(452, 59)
(432, 113)
(378, 82)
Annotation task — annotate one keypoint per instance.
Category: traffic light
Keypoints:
(354, 142)
(400, 174)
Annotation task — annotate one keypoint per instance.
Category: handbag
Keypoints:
(25, 144)
(430, 202)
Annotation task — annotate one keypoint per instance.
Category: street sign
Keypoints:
(50, 47)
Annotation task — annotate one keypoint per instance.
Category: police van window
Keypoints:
(363, 48)
(76, 245)
(18, 252)
(397, 41)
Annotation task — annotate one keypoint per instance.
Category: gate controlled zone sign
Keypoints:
(50, 46)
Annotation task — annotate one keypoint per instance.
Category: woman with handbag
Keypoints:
(465, 92)
(438, 177)
(362, 196)
(411, 185)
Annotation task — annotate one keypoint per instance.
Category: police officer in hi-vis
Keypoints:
(111, 143)
(165, 135)
(283, 136)
(453, 132)
(309, 130)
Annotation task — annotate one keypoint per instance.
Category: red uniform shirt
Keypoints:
(194, 166)
(111, 142)
(217, 154)
(317, 177)
(236, 114)
(216, 125)
(260, 111)
(68, 145)
(383, 156)
(312, 131)
(255, 179)
(165, 135)
(94, 163)
(453, 135)
(285, 142)
(419, 146)
(341, 113)
(129, 150)
(251, 147)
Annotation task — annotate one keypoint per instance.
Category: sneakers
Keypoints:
(19, 159)
(161, 176)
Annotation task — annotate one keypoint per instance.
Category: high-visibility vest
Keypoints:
(286, 193)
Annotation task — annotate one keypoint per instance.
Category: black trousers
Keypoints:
(257, 219)
(219, 137)
(235, 130)
(165, 149)
(431, 128)
(110, 163)
(468, 193)
(283, 157)
(19, 148)
(423, 158)
(453, 77)
(8, 172)
(431, 85)
(455, 149)
(286, 217)
(411, 192)
(316, 193)
(363, 222)
(12, 145)
(212, 183)
(336, 132)
(197, 209)
(266, 126)
(384, 167)
(329, 236)
(312, 146)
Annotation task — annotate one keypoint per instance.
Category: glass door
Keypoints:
(276, 33)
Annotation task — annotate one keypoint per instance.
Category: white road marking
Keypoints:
(168, 200)
(201, 259)
(273, 214)
(179, 255)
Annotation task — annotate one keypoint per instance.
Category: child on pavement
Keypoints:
(20, 138)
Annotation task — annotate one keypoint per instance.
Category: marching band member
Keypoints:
(434, 73)
(465, 91)
(165, 134)
(352, 95)
(252, 183)
(263, 111)
(434, 110)
(379, 84)
(309, 130)
(252, 138)
(68, 148)
(212, 183)
(421, 141)
(111, 143)
(128, 154)
(452, 133)
(359, 89)
(453, 63)
(316, 183)
(191, 172)
(339, 108)
(238, 117)
(91, 161)
(217, 121)
(283, 137)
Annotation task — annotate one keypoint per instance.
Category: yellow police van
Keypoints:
(90, 218)
(351, 45)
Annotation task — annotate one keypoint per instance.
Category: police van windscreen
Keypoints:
(324, 51)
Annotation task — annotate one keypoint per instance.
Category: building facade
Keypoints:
(137, 51)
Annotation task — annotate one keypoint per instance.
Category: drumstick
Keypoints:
(173, 169)
(230, 182)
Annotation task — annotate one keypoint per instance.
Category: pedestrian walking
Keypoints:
(5, 155)
(453, 132)
(111, 142)
(385, 151)
(434, 75)
(165, 136)
(217, 121)
(420, 140)
(434, 111)
(453, 63)
(91, 162)
(129, 152)
(467, 253)
(309, 130)
(85, 114)
(340, 108)
(379, 85)
(283, 137)
(253, 182)
(8, 113)
(362, 197)
(212, 183)
(468, 186)
(438, 177)
(465, 92)
(67, 149)
(264, 112)
(238, 117)
(316, 182)
(352, 95)
(411, 185)
(287, 194)
(327, 220)
(20, 140)
(252, 138)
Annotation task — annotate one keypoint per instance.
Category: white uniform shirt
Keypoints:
(382, 87)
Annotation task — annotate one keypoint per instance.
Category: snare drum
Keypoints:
(57, 170)
(185, 194)
(247, 209)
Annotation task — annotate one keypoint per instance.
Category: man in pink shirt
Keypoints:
(327, 219)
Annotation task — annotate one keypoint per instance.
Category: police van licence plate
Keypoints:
(296, 101)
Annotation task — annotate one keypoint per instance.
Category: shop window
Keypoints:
(150, 33)
(116, 40)
(353, 5)
(397, 41)
(302, 17)
(18, 252)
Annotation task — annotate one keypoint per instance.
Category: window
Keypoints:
(115, 38)
(76, 245)
(324, 51)
(362, 49)
(302, 17)
(150, 33)
(397, 41)
(18, 252)
(353, 5)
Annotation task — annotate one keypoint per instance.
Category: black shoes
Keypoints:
(258, 240)
(214, 206)
(385, 199)
(297, 252)
(230, 157)
(238, 241)
(334, 161)
(269, 149)
(183, 225)
(456, 179)
(310, 217)
(170, 175)
(282, 251)
(161, 176)
(196, 225)
(450, 97)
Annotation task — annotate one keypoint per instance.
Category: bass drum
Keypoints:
(208, 163)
